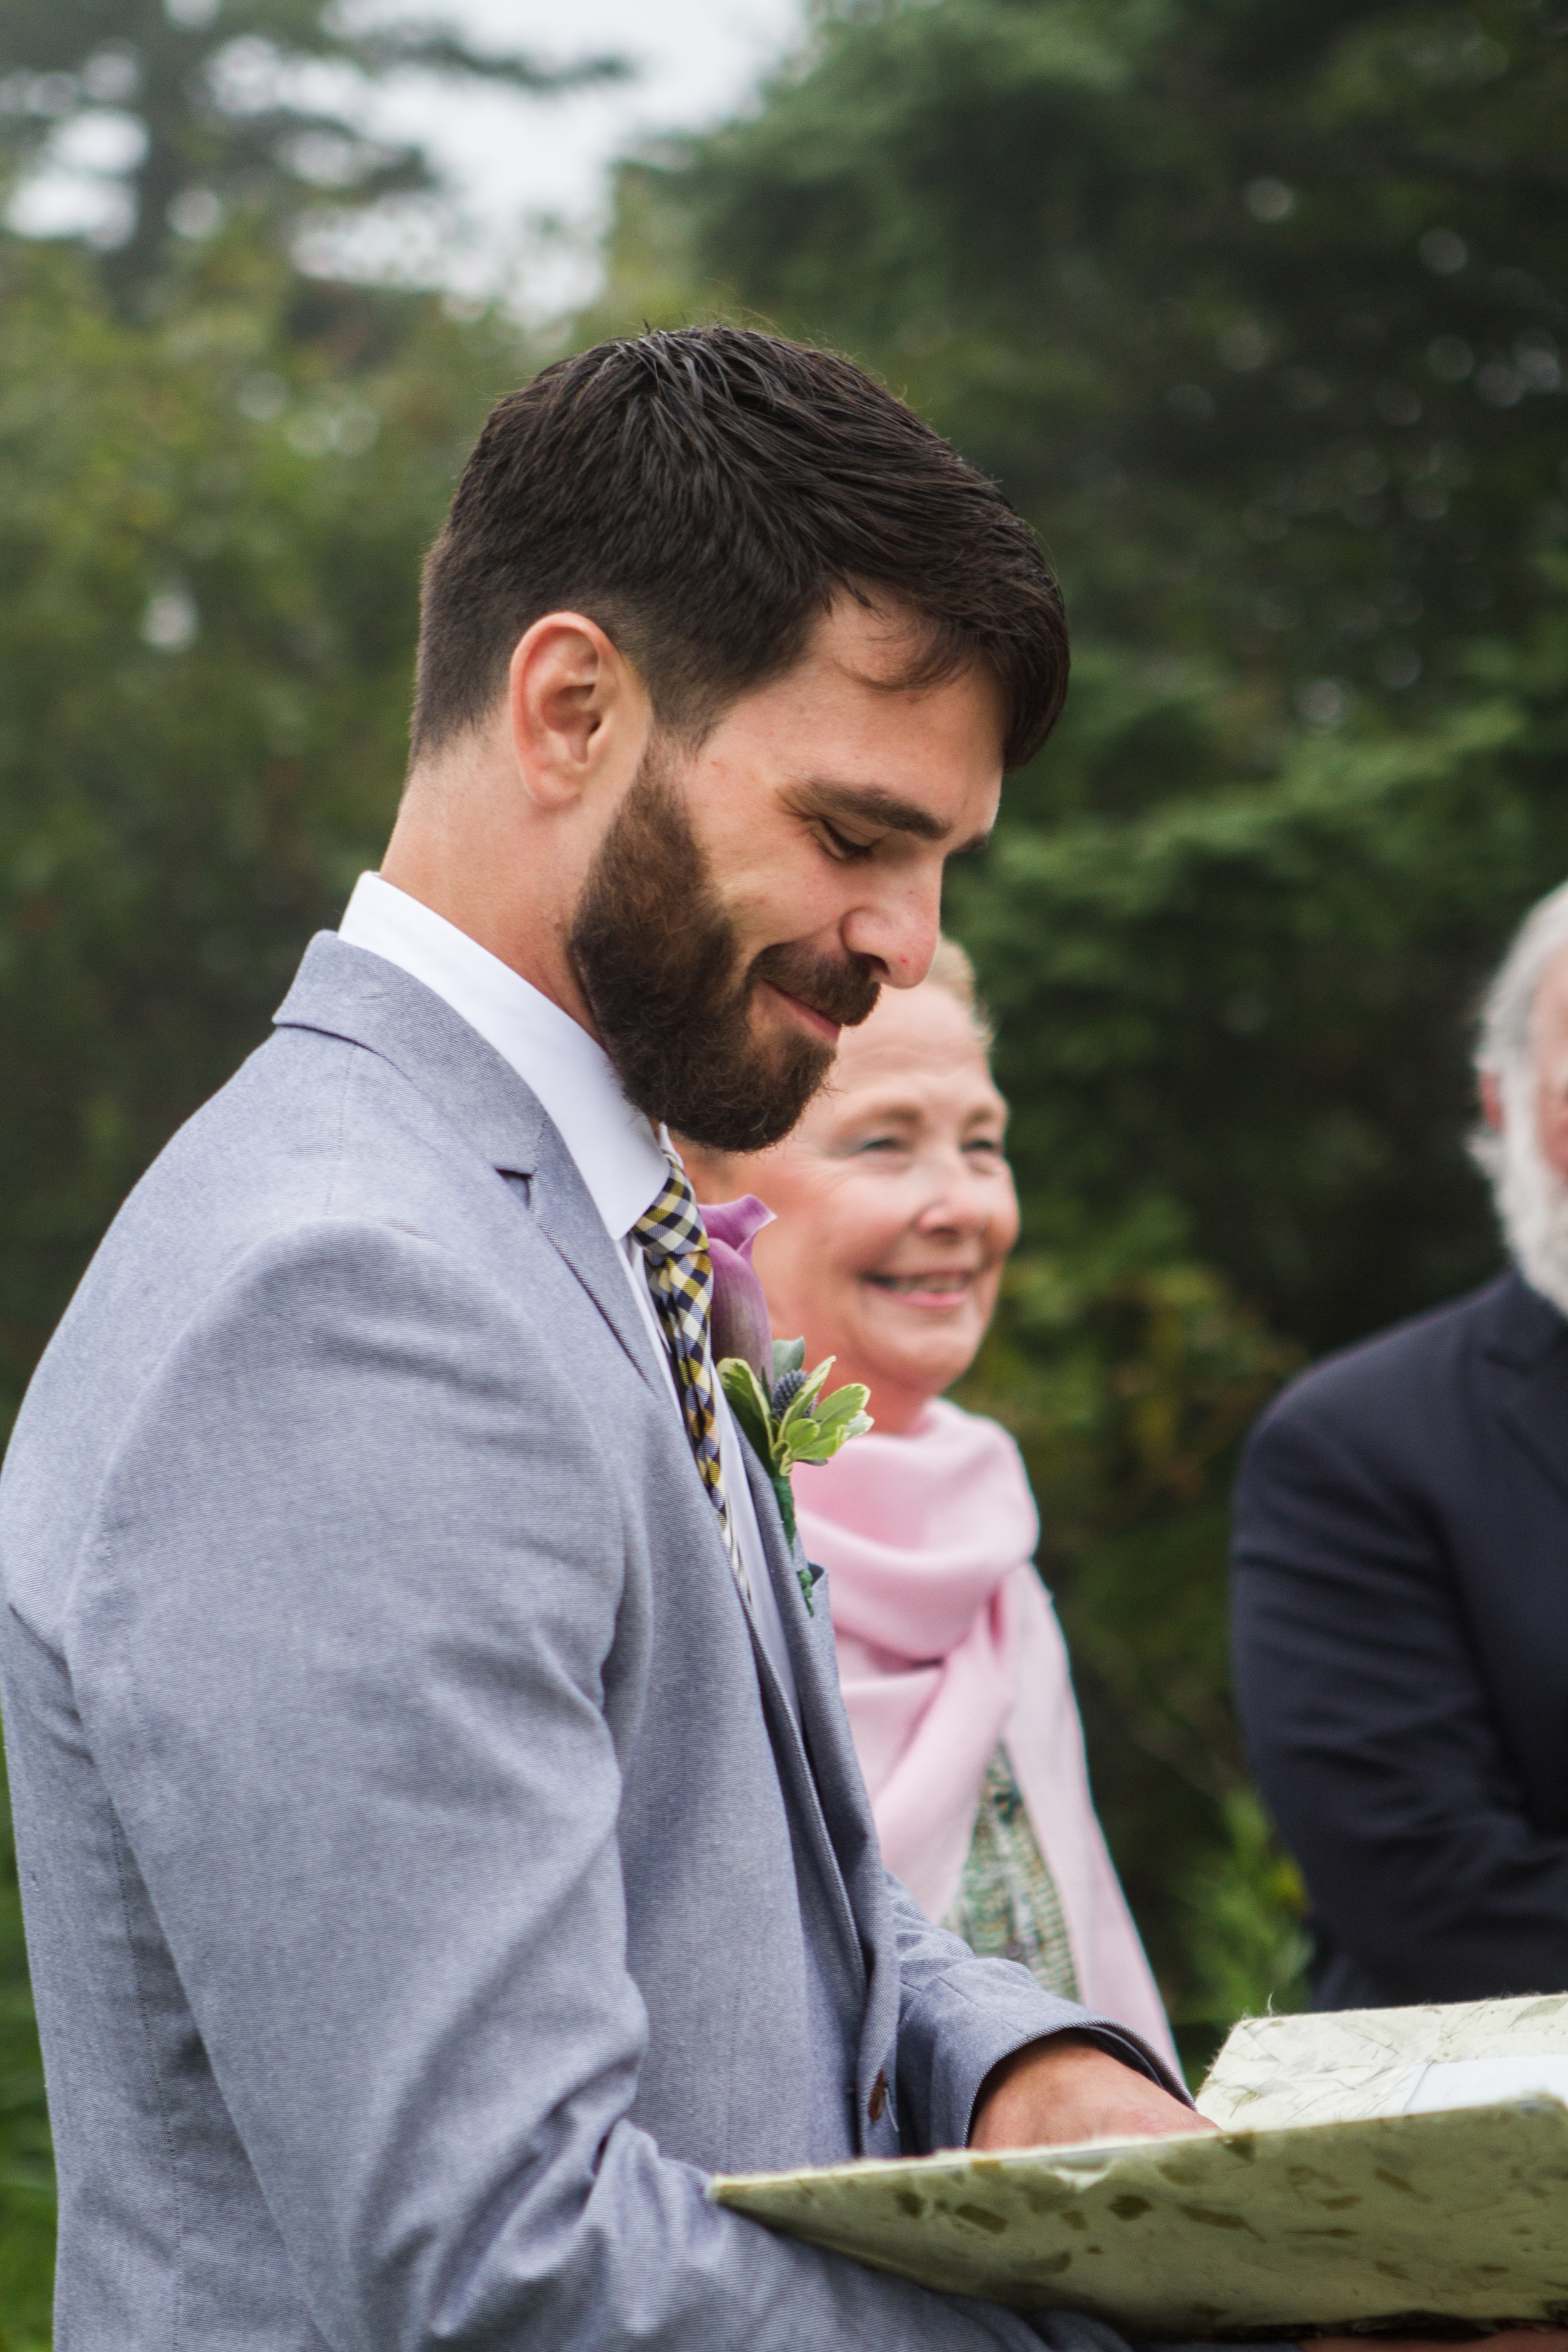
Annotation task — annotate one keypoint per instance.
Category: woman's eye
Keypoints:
(987, 1146)
(883, 1143)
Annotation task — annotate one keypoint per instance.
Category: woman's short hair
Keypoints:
(951, 971)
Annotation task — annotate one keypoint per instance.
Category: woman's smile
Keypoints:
(939, 1287)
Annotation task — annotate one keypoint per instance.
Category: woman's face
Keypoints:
(895, 1206)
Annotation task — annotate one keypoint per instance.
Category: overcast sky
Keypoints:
(514, 161)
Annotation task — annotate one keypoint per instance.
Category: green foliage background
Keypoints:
(1256, 310)
(210, 523)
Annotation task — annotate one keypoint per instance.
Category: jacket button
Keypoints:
(878, 2099)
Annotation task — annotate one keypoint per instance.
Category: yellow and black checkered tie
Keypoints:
(674, 1241)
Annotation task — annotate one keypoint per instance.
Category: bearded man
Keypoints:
(1401, 1582)
(442, 1843)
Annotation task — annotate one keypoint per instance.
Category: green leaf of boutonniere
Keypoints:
(792, 1421)
(749, 1403)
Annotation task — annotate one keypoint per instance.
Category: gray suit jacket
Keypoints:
(426, 1882)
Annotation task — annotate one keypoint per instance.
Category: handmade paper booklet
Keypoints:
(1377, 2168)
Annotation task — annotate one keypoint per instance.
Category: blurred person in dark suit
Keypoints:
(1401, 1581)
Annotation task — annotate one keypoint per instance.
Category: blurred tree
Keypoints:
(1178, 274)
(1247, 1004)
(1254, 310)
(1255, 307)
(1232, 1027)
(218, 477)
(210, 534)
(211, 524)
(196, 110)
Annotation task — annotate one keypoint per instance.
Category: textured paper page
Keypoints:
(1357, 2181)
(1455, 2216)
(1367, 2061)
(1485, 2081)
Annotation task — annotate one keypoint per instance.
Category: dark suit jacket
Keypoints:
(1401, 1632)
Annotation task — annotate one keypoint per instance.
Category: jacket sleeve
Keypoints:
(961, 2016)
(1369, 1726)
(349, 1706)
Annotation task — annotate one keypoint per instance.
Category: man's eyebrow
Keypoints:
(874, 804)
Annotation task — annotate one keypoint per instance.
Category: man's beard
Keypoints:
(658, 963)
(1531, 1197)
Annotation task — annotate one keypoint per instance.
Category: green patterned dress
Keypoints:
(1007, 1906)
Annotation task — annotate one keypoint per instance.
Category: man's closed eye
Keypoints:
(841, 847)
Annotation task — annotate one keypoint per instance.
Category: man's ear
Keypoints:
(576, 709)
(1491, 1102)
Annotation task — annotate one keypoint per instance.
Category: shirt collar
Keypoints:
(618, 1156)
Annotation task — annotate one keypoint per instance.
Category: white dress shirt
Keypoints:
(620, 1158)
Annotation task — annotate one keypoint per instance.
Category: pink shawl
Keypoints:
(948, 1644)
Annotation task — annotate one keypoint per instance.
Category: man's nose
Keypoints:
(899, 930)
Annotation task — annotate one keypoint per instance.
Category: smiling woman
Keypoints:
(895, 1212)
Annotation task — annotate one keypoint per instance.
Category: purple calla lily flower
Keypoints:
(739, 1305)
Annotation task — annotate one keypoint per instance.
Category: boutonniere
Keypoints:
(778, 1404)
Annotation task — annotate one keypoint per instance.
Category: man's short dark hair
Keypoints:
(703, 495)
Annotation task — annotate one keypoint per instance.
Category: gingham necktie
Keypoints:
(674, 1241)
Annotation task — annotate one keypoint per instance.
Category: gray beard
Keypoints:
(1531, 1198)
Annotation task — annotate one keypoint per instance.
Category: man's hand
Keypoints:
(1055, 2092)
(1065, 2089)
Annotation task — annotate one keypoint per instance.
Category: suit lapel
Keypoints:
(1534, 1410)
(345, 991)
(811, 1657)
(565, 1215)
(1527, 1356)
(829, 1771)
(833, 1794)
